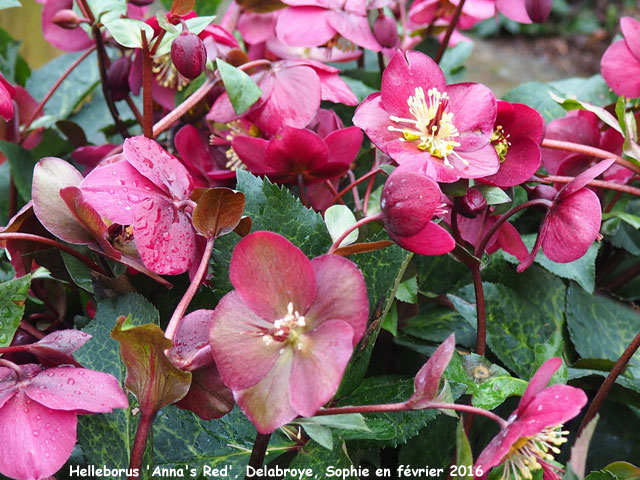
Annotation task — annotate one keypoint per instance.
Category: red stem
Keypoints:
(140, 442)
(52, 243)
(617, 369)
(481, 312)
(450, 28)
(594, 183)
(31, 330)
(586, 150)
(353, 227)
(147, 85)
(183, 108)
(355, 184)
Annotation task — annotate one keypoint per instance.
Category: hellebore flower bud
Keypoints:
(538, 10)
(141, 3)
(470, 204)
(385, 31)
(118, 78)
(66, 18)
(546, 192)
(188, 55)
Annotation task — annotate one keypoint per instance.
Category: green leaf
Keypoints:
(127, 31)
(408, 291)
(452, 63)
(242, 90)
(628, 218)
(602, 475)
(494, 195)
(591, 89)
(350, 421)
(390, 322)
(320, 434)
(464, 457)
(207, 7)
(316, 461)
(108, 9)
(623, 470)
(9, 4)
(601, 113)
(339, 218)
(536, 95)
(78, 271)
(601, 327)
(434, 323)
(13, 295)
(12, 65)
(358, 87)
(21, 162)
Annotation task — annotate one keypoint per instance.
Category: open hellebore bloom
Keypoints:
(283, 338)
(620, 64)
(572, 222)
(416, 116)
(297, 151)
(534, 431)
(149, 190)
(38, 413)
(516, 138)
(409, 202)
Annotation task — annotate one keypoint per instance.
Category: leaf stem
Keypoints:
(191, 291)
(11, 365)
(353, 227)
(608, 383)
(594, 183)
(450, 28)
(28, 237)
(147, 86)
(259, 450)
(355, 184)
(140, 442)
(481, 310)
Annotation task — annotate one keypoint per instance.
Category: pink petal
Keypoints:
(514, 9)
(496, 450)
(423, 11)
(208, 397)
(521, 161)
(432, 240)
(266, 404)
(355, 28)
(510, 241)
(539, 382)
(344, 144)
(296, 151)
(334, 89)
(270, 272)
(191, 348)
(253, 153)
(193, 150)
(345, 300)
(631, 31)
(574, 224)
(621, 70)
(427, 381)
(257, 27)
(62, 38)
(521, 121)
(304, 26)
(51, 175)
(159, 166)
(585, 177)
(480, 163)
(474, 109)
(90, 156)
(41, 439)
(241, 355)
(371, 117)
(77, 389)
(164, 236)
(6, 99)
(317, 369)
(8, 384)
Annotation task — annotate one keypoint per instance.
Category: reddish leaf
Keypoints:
(151, 377)
(427, 381)
(182, 7)
(362, 247)
(57, 347)
(260, 6)
(244, 226)
(218, 212)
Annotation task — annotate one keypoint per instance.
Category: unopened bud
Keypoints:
(189, 55)
(385, 31)
(236, 57)
(538, 10)
(118, 78)
(470, 204)
(141, 3)
(66, 18)
(546, 192)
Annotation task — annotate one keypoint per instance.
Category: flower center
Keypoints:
(286, 330)
(532, 453)
(341, 43)
(431, 126)
(167, 74)
(500, 141)
(233, 129)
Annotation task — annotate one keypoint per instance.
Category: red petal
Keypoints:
(62, 38)
(432, 240)
(539, 381)
(621, 69)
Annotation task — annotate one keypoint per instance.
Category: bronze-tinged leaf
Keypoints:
(151, 377)
(362, 247)
(182, 7)
(260, 6)
(218, 211)
(244, 227)
(427, 381)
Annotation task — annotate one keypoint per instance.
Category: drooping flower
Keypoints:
(18, 104)
(534, 431)
(298, 151)
(416, 116)
(516, 138)
(38, 412)
(7, 92)
(409, 202)
(148, 189)
(525, 11)
(283, 337)
(69, 40)
(620, 64)
(572, 222)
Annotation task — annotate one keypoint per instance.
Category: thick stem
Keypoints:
(140, 442)
(355, 184)
(404, 406)
(54, 87)
(52, 243)
(356, 196)
(353, 227)
(590, 151)
(191, 291)
(31, 330)
(259, 451)
(147, 86)
(617, 369)
(450, 28)
(134, 110)
(367, 195)
(332, 189)
(86, 11)
(11, 365)
(481, 312)
(594, 183)
(183, 108)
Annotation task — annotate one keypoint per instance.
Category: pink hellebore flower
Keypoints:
(572, 222)
(65, 39)
(525, 11)
(148, 189)
(534, 431)
(620, 64)
(409, 202)
(416, 116)
(7, 92)
(473, 11)
(283, 338)
(38, 414)
(298, 151)
(311, 23)
(516, 138)
(507, 237)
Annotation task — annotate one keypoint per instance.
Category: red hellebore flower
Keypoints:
(38, 414)
(409, 201)
(417, 116)
(283, 338)
(620, 64)
(297, 151)
(572, 222)
(533, 432)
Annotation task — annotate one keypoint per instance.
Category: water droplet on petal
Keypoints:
(36, 433)
(71, 381)
(112, 191)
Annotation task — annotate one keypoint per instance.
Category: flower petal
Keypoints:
(539, 381)
(474, 109)
(270, 272)
(621, 69)
(479, 163)
(344, 145)
(355, 28)
(316, 31)
(521, 161)
(296, 151)
(208, 397)
(432, 240)
(8, 380)
(510, 241)
(253, 153)
(62, 38)
(585, 177)
(631, 31)
(191, 349)
(317, 369)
